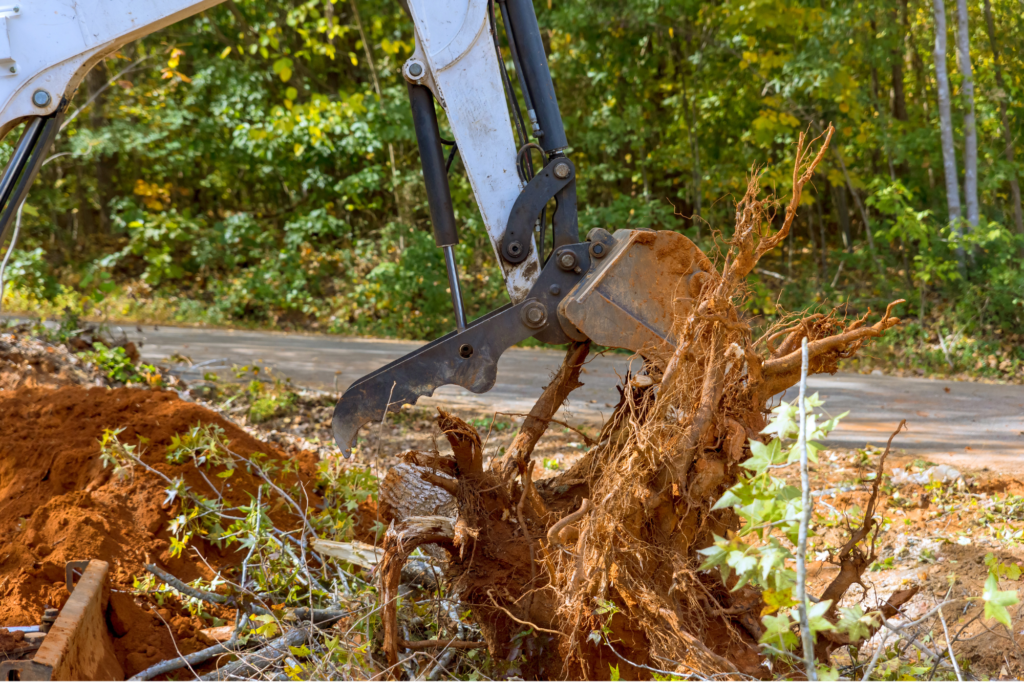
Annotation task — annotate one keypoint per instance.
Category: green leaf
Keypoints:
(816, 616)
(855, 623)
(996, 600)
(778, 632)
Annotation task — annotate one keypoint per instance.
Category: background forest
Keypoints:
(256, 165)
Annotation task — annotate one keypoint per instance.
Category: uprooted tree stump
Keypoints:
(618, 533)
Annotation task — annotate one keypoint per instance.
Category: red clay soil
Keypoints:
(58, 504)
(9, 641)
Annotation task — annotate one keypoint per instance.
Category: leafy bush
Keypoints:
(117, 366)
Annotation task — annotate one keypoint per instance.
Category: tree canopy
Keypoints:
(257, 164)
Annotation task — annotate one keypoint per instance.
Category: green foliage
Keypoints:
(759, 552)
(252, 166)
(117, 366)
(274, 558)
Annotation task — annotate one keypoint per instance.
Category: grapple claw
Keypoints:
(468, 359)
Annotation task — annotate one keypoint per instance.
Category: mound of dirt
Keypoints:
(58, 503)
(29, 362)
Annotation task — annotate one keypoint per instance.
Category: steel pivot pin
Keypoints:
(41, 98)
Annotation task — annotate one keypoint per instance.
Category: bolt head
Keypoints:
(415, 69)
(562, 170)
(534, 315)
(515, 248)
(13, 69)
(554, 290)
(567, 260)
(41, 98)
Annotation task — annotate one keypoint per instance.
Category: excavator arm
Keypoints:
(621, 290)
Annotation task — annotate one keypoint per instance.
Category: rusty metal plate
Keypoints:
(78, 646)
(631, 298)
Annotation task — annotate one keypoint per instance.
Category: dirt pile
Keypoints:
(58, 503)
(30, 362)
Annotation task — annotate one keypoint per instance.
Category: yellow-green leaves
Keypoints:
(283, 68)
(269, 626)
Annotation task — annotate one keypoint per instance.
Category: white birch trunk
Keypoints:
(970, 130)
(946, 116)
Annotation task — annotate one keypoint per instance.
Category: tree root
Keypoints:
(399, 542)
(554, 395)
(624, 525)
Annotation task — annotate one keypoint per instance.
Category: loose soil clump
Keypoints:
(58, 503)
(30, 362)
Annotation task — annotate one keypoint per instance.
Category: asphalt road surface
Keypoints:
(948, 421)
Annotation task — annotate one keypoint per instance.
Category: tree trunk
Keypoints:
(1018, 219)
(690, 119)
(970, 130)
(95, 85)
(823, 253)
(899, 98)
(946, 122)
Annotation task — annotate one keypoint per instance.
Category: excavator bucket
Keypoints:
(632, 296)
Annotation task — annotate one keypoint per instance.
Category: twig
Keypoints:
(839, 271)
(190, 660)
(949, 645)
(521, 622)
(942, 345)
(805, 521)
(173, 641)
(10, 250)
(260, 659)
(874, 658)
(188, 590)
(441, 644)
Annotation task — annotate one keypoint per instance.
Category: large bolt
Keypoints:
(567, 260)
(41, 98)
(534, 315)
(415, 69)
(48, 619)
(562, 170)
(515, 249)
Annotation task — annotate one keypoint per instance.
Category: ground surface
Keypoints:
(58, 502)
(954, 422)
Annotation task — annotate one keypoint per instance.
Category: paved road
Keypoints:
(948, 420)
